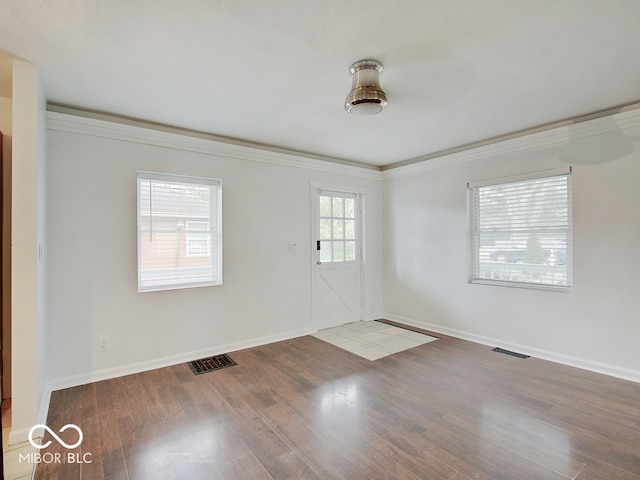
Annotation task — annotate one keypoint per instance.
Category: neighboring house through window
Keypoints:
(179, 232)
(521, 230)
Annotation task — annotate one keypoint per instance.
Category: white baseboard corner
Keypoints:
(18, 435)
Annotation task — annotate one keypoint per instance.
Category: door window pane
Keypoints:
(350, 229)
(338, 228)
(350, 251)
(349, 208)
(338, 251)
(338, 207)
(325, 229)
(325, 206)
(325, 251)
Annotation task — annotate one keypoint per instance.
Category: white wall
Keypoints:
(427, 249)
(28, 283)
(266, 296)
(92, 249)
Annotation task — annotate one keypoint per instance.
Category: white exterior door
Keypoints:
(337, 290)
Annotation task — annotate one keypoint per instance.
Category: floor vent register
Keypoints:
(509, 352)
(210, 364)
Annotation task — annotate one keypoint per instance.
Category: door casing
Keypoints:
(317, 269)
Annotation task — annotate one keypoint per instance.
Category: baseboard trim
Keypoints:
(596, 367)
(19, 435)
(44, 406)
(22, 435)
(106, 374)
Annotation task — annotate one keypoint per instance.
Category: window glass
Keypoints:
(338, 207)
(337, 227)
(521, 232)
(349, 208)
(179, 232)
(350, 251)
(338, 251)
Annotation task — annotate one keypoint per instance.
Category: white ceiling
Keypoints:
(275, 72)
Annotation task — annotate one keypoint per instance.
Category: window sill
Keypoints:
(530, 286)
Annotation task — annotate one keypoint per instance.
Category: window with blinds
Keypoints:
(521, 230)
(179, 232)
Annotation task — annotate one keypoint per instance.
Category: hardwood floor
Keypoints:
(305, 409)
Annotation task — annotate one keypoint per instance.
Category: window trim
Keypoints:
(471, 191)
(215, 223)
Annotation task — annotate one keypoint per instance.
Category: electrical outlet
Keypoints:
(103, 344)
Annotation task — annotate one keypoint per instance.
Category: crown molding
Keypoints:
(192, 142)
(623, 120)
(69, 120)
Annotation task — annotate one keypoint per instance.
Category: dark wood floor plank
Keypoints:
(89, 454)
(245, 468)
(460, 476)
(305, 409)
(113, 463)
(340, 419)
(425, 426)
(275, 455)
(112, 397)
(317, 451)
(598, 470)
(502, 463)
(535, 440)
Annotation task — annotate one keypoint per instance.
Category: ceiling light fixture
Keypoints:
(366, 96)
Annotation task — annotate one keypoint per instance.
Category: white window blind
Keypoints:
(198, 239)
(179, 232)
(521, 230)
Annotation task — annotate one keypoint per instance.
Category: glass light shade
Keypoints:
(366, 96)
